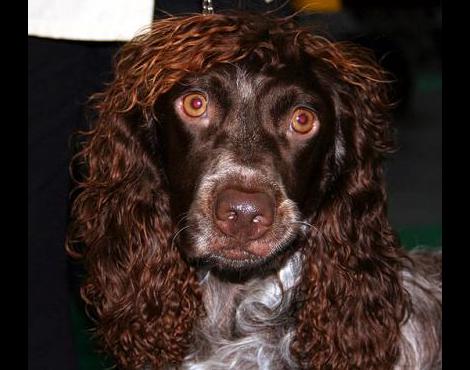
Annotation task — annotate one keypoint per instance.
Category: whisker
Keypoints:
(302, 223)
(177, 233)
(184, 217)
(315, 229)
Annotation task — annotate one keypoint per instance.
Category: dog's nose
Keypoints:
(243, 215)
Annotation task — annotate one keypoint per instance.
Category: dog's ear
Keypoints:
(359, 88)
(142, 294)
(353, 299)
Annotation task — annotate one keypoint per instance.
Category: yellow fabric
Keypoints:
(318, 5)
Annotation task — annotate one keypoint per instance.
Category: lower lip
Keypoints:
(237, 254)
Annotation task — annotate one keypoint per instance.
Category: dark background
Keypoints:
(407, 42)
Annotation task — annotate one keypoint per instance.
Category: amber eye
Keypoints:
(194, 104)
(303, 120)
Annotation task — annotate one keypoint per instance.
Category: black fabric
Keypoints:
(61, 76)
(165, 7)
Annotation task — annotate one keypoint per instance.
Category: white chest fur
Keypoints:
(247, 325)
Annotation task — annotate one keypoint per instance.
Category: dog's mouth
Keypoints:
(240, 227)
(238, 259)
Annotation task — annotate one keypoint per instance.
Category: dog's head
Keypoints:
(232, 137)
(252, 147)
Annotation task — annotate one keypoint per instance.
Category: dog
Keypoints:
(233, 209)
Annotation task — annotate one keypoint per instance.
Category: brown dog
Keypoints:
(234, 211)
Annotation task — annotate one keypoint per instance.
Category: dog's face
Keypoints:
(243, 152)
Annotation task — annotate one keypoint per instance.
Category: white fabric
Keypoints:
(92, 20)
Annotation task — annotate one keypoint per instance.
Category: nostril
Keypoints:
(223, 212)
(243, 215)
(232, 216)
(259, 219)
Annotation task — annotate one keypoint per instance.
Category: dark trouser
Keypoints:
(61, 76)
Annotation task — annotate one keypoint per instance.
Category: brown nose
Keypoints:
(242, 215)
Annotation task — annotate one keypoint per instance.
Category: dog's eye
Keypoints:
(303, 120)
(194, 104)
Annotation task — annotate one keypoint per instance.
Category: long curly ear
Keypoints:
(142, 294)
(352, 299)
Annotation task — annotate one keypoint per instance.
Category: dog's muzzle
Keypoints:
(240, 216)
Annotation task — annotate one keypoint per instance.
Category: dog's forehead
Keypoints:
(248, 84)
(243, 83)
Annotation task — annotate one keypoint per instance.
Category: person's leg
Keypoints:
(61, 76)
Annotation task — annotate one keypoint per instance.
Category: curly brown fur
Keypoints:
(147, 172)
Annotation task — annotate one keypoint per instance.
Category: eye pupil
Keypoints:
(196, 103)
(302, 119)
